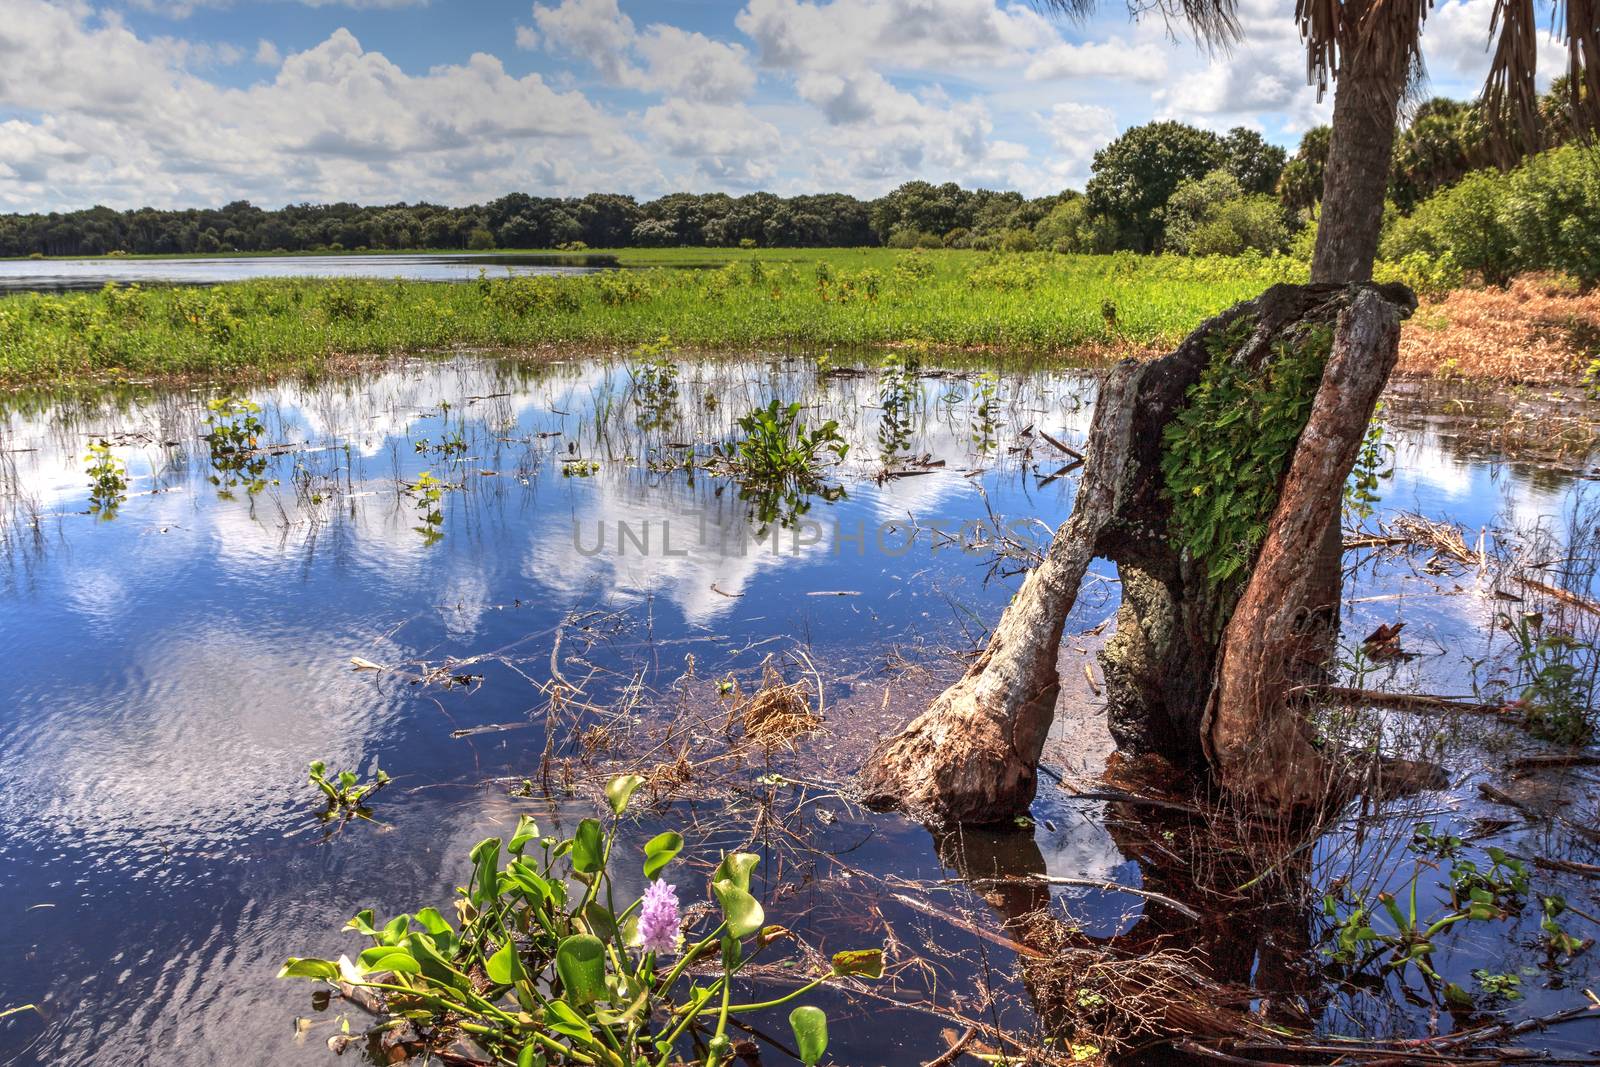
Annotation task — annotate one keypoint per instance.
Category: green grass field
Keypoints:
(811, 299)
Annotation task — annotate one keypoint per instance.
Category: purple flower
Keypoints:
(658, 918)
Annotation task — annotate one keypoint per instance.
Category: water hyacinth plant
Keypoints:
(542, 967)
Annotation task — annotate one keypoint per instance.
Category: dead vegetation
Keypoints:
(1539, 330)
(778, 712)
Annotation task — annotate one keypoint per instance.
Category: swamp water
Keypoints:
(65, 275)
(574, 601)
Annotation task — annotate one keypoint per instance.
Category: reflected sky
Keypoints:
(172, 669)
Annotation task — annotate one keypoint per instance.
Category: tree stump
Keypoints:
(1200, 675)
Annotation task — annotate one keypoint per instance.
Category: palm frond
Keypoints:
(1583, 63)
(1214, 22)
(1510, 97)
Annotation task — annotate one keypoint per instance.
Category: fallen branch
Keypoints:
(1073, 452)
(1412, 701)
(1092, 883)
(972, 928)
(953, 1053)
(1583, 603)
(1500, 796)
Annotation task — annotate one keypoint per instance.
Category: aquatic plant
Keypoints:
(108, 480)
(542, 967)
(1361, 494)
(1557, 941)
(985, 412)
(345, 791)
(778, 447)
(655, 384)
(1399, 939)
(233, 431)
(1556, 698)
(428, 494)
(898, 395)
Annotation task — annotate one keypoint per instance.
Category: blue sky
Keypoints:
(192, 102)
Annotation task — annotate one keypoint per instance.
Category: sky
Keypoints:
(188, 103)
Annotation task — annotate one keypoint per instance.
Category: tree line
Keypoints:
(1162, 186)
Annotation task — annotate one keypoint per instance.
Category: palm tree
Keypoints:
(1226, 698)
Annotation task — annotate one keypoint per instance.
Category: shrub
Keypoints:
(1464, 222)
(1551, 211)
(1212, 216)
(1019, 240)
(1071, 227)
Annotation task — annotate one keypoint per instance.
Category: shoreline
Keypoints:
(852, 306)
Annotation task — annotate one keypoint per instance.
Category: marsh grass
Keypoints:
(836, 298)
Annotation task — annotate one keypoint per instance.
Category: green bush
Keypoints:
(1463, 222)
(1212, 216)
(1071, 227)
(1552, 212)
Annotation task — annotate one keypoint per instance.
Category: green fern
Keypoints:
(1224, 455)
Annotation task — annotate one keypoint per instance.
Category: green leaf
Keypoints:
(309, 968)
(526, 831)
(531, 1056)
(600, 920)
(741, 910)
(588, 848)
(736, 868)
(362, 923)
(434, 965)
(395, 930)
(810, 1026)
(430, 920)
(563, 1020)
(581, 963)
(486, 871)
(505, 966)
(661, 850)
(859, 963)
(389, 958)
(620, 789)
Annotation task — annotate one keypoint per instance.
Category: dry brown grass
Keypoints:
(778, 712)
(1540, 330)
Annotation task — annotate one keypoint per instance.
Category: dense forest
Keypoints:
(1163, 186)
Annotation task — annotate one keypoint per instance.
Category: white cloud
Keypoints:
(1076, 131)
(676, 62)
(125, 121)
(727, 142)
(182, 9)
(1265, 72)
(1103, 59)
(1455, 46)
(527, 38)
(850, 35)
(267, 54)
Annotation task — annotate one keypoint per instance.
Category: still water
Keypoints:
(63, 275)
(173, 664)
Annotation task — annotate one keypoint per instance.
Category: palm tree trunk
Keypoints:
(1366, 105)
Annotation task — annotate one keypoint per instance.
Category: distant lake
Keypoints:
(60, 275)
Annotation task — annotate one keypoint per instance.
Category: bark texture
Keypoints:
(1258, 740)
(1376, 46)
(972, 756)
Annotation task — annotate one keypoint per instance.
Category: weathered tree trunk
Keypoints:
(1374, 62)
(971, 757)
(1258, 741)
